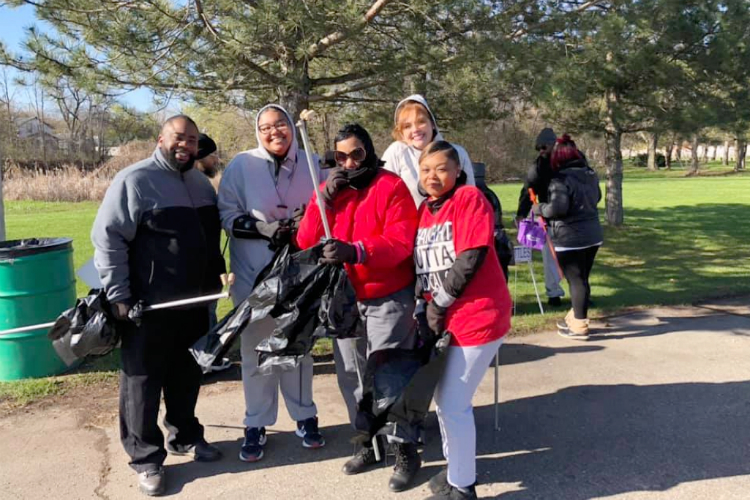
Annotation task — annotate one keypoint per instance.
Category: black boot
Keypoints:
(361, 461)
(408, 463)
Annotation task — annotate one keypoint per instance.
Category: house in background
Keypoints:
(39, 133)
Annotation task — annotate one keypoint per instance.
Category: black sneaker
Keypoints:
(360, 462)
(201, 451)
(453, 493)
(308, 431)
(152, 482)
(252, 446)
(554, 302)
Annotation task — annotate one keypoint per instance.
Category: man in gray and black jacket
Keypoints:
(157, 239)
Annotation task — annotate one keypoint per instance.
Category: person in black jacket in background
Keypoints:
(538, 179)
(574, 228)
(156, 239)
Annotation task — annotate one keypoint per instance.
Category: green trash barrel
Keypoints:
(37, 283)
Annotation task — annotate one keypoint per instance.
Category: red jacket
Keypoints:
(384, 219)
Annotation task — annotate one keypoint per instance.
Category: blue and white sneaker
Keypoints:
(252, 446)
(308, 431)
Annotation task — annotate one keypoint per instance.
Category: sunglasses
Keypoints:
(542, 148)
(357, 155)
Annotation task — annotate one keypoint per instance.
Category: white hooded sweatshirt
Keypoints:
(403, 160)
(248, 186)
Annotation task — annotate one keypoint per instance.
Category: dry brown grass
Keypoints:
(70, 183)
(65, 184)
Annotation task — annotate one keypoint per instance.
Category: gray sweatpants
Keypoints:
(387, 323)
(551, 275)
(262, 391)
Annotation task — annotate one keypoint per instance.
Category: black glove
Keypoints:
(436, 317)
(337, 181)
(424, 332)
(297, 217)
(338, 252)
(278, 233)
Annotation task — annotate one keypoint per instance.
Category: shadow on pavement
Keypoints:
(598, 440)
(282, 449)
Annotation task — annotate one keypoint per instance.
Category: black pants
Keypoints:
(576, 266)
(155, 358)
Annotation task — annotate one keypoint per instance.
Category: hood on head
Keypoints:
(292, 128)
(421, 100)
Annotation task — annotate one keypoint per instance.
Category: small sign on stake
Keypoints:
(521, 254)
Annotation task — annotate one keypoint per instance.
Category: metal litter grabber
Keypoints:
(153, 307)
(304, 116)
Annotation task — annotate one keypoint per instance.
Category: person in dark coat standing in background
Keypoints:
(574, 228)
(538, 179)
(207, 159)
(156, 239)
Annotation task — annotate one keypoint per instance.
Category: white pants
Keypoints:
(551, 275)
(464, 370)
(262, 391)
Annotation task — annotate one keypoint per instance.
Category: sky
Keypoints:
(13, 22)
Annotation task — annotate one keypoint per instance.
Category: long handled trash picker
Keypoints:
(153, 307)
(304, 116)
(535, 200)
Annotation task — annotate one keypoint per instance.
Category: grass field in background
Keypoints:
(684, 240)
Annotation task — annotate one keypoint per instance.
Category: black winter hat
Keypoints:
(546, 137)
(206, 146)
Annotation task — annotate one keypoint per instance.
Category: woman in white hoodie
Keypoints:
(414, 128)
(259, 192)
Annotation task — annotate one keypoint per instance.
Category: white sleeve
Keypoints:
(466, 165)
(390, 157)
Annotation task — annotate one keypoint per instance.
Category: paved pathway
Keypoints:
(655, 407)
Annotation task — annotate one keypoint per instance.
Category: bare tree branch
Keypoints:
(339, 36)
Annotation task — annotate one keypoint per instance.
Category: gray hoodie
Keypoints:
(403, 160)
(248, 186)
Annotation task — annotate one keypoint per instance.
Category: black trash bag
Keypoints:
(314, 301)
(398, 389)
(87, 329)
(307, 301)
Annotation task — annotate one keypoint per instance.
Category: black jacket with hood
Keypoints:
(571, 212)
(538, 178)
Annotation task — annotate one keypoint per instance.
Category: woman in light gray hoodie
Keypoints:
(259, 193)
(414, 128)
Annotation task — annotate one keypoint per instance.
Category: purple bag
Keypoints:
(531, 234)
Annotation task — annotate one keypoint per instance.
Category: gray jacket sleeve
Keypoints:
(114, 228)
(231, 204)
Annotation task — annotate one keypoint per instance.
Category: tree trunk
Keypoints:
(694, 162)
(668, 155)
(613, 161)
(653, 142)
(725, 161)
(714, 153)
(741, 152)
(704, 157)
(678, 153)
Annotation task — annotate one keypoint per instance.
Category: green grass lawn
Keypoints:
(684, 240)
